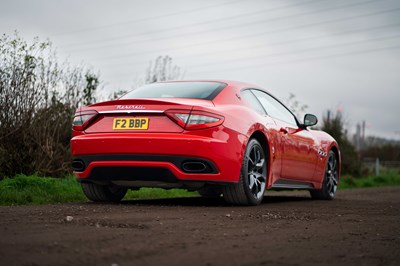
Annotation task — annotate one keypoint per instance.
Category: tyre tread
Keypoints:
(236, 194)
(322, 194)
(98, 193)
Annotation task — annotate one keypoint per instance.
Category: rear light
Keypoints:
(82, 119)
(195, 119)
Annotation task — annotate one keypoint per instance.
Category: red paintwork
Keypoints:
(293, 152)
(210, 144)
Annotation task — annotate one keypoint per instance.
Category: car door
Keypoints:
(299, 147)
(274, 137)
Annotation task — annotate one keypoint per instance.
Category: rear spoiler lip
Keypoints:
(153, 101)
(131, 111)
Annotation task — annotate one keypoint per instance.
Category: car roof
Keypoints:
(229, 83)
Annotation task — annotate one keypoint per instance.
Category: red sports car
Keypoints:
(217, 137)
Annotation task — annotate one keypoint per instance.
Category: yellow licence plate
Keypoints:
(131, 123)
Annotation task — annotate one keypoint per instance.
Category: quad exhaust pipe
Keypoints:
(195, 167)
(78, 165)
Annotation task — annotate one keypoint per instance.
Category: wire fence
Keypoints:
(375, 165)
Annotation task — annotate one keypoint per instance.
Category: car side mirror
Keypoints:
(310, 120)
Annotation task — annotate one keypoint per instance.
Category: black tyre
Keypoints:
(330, 182)
(98, 193)
(251, 186)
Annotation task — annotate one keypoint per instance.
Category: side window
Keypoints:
(274, 108)
(252, 101)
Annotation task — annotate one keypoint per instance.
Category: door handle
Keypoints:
(283, 130)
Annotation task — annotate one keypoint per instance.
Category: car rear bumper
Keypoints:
(159, 157)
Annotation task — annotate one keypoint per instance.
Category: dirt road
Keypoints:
(360, 227)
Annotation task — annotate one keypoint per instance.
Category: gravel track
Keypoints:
(359, 227)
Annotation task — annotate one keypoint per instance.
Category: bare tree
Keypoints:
(295, 106)
(162, 70)
(38, 97)
(117, 94)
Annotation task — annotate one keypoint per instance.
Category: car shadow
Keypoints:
(210, 202)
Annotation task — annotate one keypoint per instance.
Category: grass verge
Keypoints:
(23, 190)
(390, 177)
(34, 190)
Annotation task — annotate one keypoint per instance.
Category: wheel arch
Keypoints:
(336, 151)
(260, 137)
(263, 140)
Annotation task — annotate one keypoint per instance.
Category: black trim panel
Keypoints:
(291, 184)
(129, 173)
(216, 91)
(178, 161)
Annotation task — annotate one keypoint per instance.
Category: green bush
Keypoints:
(333, 124)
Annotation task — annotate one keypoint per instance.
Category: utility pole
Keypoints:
(363, 135)
(358, 137)
(397, 132)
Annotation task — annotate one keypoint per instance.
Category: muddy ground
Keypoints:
(359, 227)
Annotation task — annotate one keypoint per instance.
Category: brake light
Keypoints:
(195, 119)
(82, 119)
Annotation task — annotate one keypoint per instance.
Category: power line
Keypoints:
(242, 15)
(316, 58)
(288, 62)
(264, 45)
(241, 25)
(298, 51)
(147, 18)
(395, 47)
(297, 40)
(333, 21)
(264, 65)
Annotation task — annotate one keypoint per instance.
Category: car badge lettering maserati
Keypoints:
(129, 107)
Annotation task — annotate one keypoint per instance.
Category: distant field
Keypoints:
(34, 190)
(388, 177)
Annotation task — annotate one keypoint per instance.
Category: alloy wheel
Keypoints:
(331, 175)
(256, 171)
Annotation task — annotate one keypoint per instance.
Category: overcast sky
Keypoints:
(342, 54)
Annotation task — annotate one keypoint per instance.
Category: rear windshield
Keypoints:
(197, 90)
